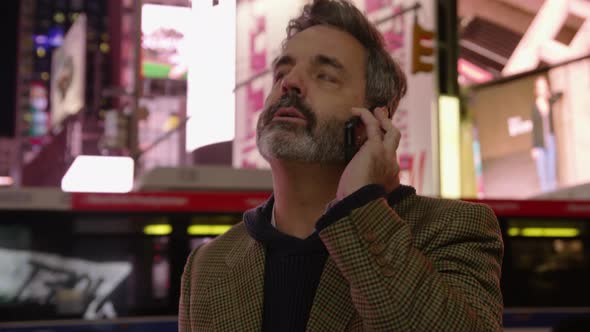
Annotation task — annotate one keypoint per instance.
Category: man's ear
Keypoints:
(390, 113)
(391, 110)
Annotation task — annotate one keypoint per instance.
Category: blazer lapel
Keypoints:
(332, 308)
(236, 302)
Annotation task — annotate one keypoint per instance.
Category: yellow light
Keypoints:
(157, 229)
(74, 16)
(207, 229)
(59, 17)
(543, 232)
(104, 47)
(532, 232)
(171, 123)
(513, 231)
(41, 52)
(45, 76)
(562, 232)
(450, 154)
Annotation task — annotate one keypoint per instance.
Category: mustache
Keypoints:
(291, 100)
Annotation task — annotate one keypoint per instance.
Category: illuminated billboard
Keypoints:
(68, 73)
(163, 41)
(533, 132)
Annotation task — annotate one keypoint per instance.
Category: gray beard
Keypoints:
(285, 141)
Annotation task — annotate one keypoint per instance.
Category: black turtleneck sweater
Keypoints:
(293, 266)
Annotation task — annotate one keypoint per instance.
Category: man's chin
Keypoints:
(282, 133)
(279, 143)
(274, 154)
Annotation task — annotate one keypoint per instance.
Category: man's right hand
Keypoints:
(376, 160)
(535, 153)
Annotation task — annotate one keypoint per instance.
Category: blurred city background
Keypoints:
(127, 138)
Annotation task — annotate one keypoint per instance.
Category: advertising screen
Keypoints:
(533, 132)
(163, 44)
(524, 70)
(68, 73)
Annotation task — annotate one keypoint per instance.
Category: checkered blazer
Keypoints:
(424, 265)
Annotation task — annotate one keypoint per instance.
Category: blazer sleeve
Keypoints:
(451, 284)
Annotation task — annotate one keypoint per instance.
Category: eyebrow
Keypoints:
(324, 60)
(282, 60)
(318, 60)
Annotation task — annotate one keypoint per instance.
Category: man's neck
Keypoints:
(301, 193)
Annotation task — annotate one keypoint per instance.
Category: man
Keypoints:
(544, 150)
(343, 247)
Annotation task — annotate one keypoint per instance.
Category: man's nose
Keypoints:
(293, 83)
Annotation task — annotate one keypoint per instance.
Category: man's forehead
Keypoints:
(325, 40)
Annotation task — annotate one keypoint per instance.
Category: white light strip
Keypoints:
(211, 74)
(99, 174)
(6, 181)
(483, 51)
(450, 144)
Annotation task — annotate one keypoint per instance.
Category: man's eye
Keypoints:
(327, 78)
(278, 76)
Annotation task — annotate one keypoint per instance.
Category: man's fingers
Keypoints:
(380, 128)
(392, 135)
(391, 140)
(372, 124)
(385, 122)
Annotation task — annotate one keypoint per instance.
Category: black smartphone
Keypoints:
(350, 138)
(353, 135)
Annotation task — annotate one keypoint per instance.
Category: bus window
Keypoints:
(547, 262)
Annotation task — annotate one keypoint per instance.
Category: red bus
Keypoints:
(120, 256)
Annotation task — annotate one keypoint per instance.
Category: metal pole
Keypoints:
(133, 117)
(447, 42)
(23, 78)
(402, 12)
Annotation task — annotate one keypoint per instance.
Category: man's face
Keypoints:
(318, 78)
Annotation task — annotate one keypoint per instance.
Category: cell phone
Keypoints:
(350, 138)
(353, 133)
